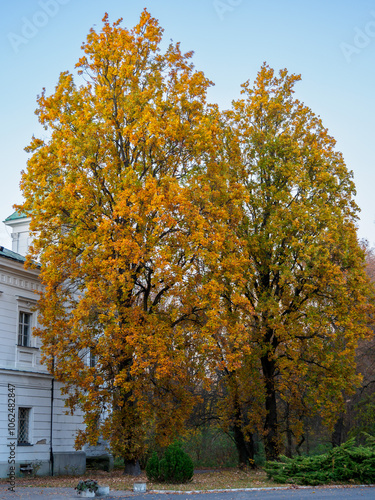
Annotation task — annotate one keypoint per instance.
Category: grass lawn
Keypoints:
(203, 480)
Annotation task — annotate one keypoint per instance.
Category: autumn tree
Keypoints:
(115, 194)
(303, 271)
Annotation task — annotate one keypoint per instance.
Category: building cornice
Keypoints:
(21, 278)
(29, 373)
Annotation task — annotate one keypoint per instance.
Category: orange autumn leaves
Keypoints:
(176, 241)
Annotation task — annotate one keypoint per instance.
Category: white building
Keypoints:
(34, 429)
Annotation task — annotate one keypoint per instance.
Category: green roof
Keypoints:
(15, 216)
(9, 254)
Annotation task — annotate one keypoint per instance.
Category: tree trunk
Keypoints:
(132, 467)
(271, 439)
(288, 449)
(298, 447)
(245, 448)
(307, 442)
(129, 422)
(244, 444)
(336, 437)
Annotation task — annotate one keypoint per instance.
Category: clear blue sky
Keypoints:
(331, 43)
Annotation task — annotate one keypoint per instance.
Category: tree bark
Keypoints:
(244, 443)
(245, 448)
(289, 439)
(132, 467)
(271, 439)
(336, 437)
(298, 446)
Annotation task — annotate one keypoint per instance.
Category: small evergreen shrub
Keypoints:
(345, 463)
(152, 467)
(175, 467)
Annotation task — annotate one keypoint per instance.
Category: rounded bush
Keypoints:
(175, 467)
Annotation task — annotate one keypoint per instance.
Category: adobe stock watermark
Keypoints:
(31, 25)
(12, 436)
(362, 38)
(222, 7)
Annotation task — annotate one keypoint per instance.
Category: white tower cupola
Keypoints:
(21, 239)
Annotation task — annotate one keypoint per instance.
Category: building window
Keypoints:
(92, 360)
(23, 426)
(24, 329)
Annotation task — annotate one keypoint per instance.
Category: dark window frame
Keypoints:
(24, 329)
(23, 429)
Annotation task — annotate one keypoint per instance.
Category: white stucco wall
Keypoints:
(21, 367)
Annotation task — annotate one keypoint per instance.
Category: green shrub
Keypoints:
(175, 467)
(152, 467)
(345, 463)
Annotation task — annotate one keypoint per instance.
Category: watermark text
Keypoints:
(12, 436)
(31, 25)
(222, 7)
(361, 39)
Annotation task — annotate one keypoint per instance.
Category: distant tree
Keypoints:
(370, 259)
(116, 194)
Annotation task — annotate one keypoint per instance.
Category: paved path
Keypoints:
(318, 493)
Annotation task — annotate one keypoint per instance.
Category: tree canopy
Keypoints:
(304, 273)
(113, 198)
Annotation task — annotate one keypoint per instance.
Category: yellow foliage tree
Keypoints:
(116, 195)
(304, 278)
